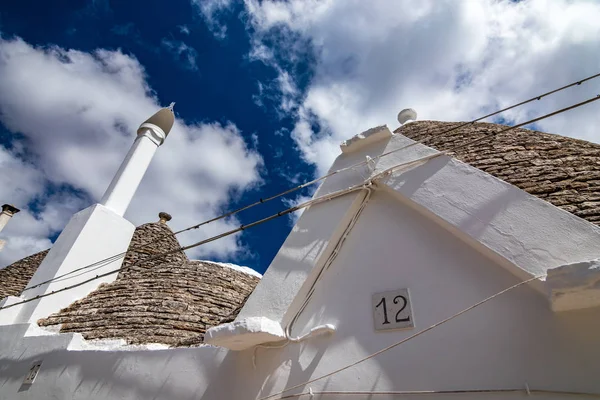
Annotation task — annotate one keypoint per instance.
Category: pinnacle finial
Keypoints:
(164, 217)
(171, 106)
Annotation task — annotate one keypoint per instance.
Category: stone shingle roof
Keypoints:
(16, 276)
(171, 303)
(169, 300)
(561, 170)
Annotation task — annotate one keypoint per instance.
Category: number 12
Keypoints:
(396, 300)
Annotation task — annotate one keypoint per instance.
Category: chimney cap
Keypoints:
(163, 119)
(10, 209)
(164, 217)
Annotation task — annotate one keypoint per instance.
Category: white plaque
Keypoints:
(392, 310)
(33, 371)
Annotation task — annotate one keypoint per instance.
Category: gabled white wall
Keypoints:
(509, 342)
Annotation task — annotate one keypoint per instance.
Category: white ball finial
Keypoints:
(408, 114)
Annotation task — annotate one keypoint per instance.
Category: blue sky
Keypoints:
(265, 91)
(217, 86)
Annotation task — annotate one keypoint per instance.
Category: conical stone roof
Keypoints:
(15, 277)
(170, 300)
(560, 170)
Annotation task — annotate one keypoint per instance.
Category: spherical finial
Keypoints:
(408, 114)
(164, 217)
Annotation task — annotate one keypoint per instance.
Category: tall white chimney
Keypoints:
(93, 236)
(7, 213)
(151, 134)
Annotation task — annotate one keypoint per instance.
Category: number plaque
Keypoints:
(392, 310)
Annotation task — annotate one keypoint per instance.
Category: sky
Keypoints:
(264, 92)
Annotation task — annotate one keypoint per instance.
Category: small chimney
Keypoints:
(7, 213)
(164, 217)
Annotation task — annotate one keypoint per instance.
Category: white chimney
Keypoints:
(93, 236)
(7, 213)
(151, 134)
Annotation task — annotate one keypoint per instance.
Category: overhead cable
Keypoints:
(419, 333)
(281, 213)
(369, 393)
(303, 185)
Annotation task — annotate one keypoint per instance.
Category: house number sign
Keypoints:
(392, 310)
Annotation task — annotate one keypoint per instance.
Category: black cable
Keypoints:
(292, 209)
(262, 201)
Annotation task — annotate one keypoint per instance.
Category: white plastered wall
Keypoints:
(411, 235)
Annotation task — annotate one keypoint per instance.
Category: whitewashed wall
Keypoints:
(507, 343)
(406, 238)
(69, 371)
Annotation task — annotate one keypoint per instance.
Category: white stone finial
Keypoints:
(408, 114)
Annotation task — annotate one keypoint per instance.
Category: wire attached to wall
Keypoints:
(369, 161)
(365, 394)
(419, 333)
(279, 214)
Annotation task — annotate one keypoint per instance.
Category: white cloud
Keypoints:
(182, 52)
(448, 60)
(211, 10)
(184, 29)
(77, 113)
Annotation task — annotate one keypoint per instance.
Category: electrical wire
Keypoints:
(291, 190)
(590, 100)
(279, 214)
(262, 201)
(301, 186)
(419, 333)
(202, 242)
(389, 170)
(366, 394)
(539, 97)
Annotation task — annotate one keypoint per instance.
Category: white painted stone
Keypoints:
(365, 138)
(245, 333)
(92, 235)
(125, 183)
(574, 286)
(8, 316)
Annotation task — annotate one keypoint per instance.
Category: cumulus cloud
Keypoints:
(76, 114)
(448, 60)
